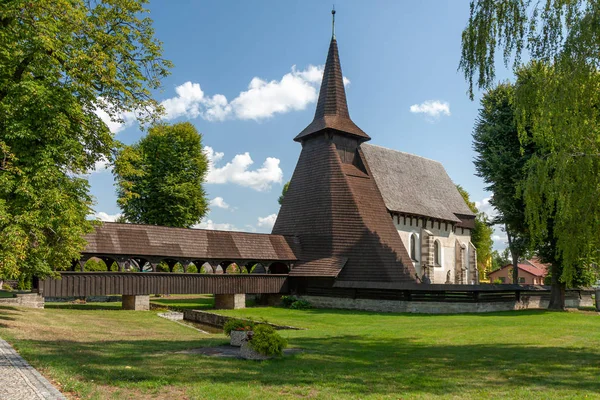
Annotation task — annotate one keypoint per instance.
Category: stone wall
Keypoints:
(218, 321)
(29, 300)
(575, 299)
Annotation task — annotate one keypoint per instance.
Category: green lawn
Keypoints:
(119, 354)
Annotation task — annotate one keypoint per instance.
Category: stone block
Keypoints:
(136, 303)
(230, 301)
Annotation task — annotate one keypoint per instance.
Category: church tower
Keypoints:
(333, 205)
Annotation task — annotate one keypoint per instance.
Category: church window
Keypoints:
(413, 248)
(436, 254)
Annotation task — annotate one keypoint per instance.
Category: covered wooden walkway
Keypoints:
(136, 247)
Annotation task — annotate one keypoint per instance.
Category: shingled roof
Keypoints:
(332, 109)
(415, 185)
(160, 241)
(334, 207)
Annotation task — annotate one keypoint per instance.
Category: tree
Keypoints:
(481, 235)
(499, 260)
(556, 107)
(159, 179)
(502, 165)
(283, 192)
(61, 63)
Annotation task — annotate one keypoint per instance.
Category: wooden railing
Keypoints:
(78, 284)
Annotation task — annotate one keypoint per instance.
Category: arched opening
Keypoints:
(413, 247)
(111, 264)
(192, 269)
(178, 268)
(162, 267)
(232, 268)
(437, 260)
(204, 267)
(219, 269)
(95, 264)
(278, 268)
(254, 267)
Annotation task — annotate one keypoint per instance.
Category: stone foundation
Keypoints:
(29, 300)
(136, 303)
(230, 301)
(573, 300)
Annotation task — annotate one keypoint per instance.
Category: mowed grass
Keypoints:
(115, 354)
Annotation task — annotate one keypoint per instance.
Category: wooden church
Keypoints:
(367, 216)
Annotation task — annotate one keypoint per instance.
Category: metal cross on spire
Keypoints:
(333, 22)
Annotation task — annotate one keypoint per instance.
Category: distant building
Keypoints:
(531, 272)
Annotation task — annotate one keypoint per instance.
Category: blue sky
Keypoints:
(247, 75)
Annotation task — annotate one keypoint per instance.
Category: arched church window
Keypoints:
(436, 254)
(413, 248)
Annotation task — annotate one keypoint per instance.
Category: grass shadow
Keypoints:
(349, 364)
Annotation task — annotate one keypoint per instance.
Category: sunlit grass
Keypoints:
(360, 355)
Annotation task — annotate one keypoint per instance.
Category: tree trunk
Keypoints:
(515, 257)
(557, 293)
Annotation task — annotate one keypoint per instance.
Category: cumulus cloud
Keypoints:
(102, 216)
(100, 166)
(485, 207)
(220, 203)
(432, 108)
(237, 171)
(262, 99)
(267, 222)
(209, 224)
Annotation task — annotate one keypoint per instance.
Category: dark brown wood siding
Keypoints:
(76, 284)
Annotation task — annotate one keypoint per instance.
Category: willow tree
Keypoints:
(556, 99)
(62, 62)
(159, 179)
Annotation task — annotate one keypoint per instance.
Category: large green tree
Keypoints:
(159, 179)
(556, 107)
(61, 61)
(501, 162)
(481, 235)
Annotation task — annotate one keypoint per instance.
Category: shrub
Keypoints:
(287, 301)
(266, 341)
(7, 287)
(301, 305)
(237, 325)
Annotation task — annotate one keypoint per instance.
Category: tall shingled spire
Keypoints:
(332, 108)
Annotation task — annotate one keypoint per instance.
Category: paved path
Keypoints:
(20, 381)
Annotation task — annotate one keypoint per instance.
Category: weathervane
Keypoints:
(333, 22)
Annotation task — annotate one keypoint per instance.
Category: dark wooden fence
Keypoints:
(79, 284)
(485, 293)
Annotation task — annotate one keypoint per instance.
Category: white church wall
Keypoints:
(442, 233)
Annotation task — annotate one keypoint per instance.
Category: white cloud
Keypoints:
(267, 222)
(210, 225)
(101, 166)
(102, 216)
(220, 203)
(485, 207)
(262, 99)
(236, 171)
(432, 108)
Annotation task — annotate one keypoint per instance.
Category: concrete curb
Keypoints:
(20, 381)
